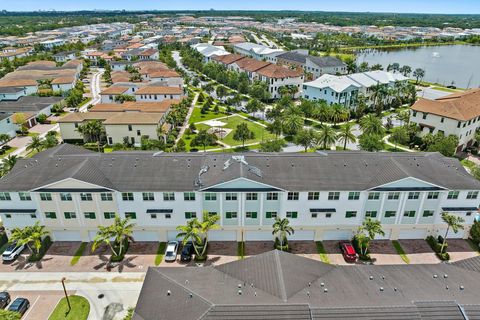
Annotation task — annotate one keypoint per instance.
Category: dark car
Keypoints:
(4, 299)
(348, 251)
(19, 305)
(187, 252)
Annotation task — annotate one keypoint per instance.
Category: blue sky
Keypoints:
(418, 6)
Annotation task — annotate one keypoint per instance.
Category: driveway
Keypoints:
(419, 252)
(383, 253)
(219, 252)
(333, 252)
(307, 249)
(42, 303)
(460, 249)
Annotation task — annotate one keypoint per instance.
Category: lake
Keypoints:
(442, 64)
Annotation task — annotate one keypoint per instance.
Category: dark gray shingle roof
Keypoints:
(325, 62)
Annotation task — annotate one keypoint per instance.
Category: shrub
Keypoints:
(9, 315)
(436, 246)
(278, 245)
(356, 246)
(3, 238)
(120, 257)
(42, 118)
(475, 232)
(46, 243)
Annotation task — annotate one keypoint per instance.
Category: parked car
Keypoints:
(171, 251)
(19, 305)
(4, 299)
(12, 252)
(348, 251)
(187, 252)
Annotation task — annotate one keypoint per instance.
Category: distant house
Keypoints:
(7, 125)
(63, 83)
(158, 93)
(457, 114)
(50, 44)
(209, 51)
(30, 106)
(257, 51)
(10, 53)
(313, 66)
(14, 89)
(64, 56)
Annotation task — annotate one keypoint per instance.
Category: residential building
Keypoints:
(282, 285)
(155, 93)
(64, 56)
(457, 114)
(313, 66)
(7, 124)
(50, 44)
(208, 51)
(12, 53)
(325, 195)
(257, 51)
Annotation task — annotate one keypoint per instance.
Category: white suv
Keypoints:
(171, 251)
(12, 252)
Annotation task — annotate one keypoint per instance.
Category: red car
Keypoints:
(348, 252)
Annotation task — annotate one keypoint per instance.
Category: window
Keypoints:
(432, 195)
(211, 214)
(350, 214)
(168, 196)
(424, 116)
(231, 215)
(251, 196)
(129, 127)
(168, 216)
(313, 195)
(442, 120)
(353, 195)
(373, 195)
(333, 195)
(70, 215)
(469, 213)
(328, 215)
(413, 195)
(190, 215)
(148, 196)
(189, 196)
(109, 215)
(153, 216)
(86, 196)
(131, 215)
(251, 215)
(65, 196)
(33, 216)
(106, 196)
(139, 133)
(314, 215)
(428, 213)
(5, 196)
(210, 196)
(230, 196)
(8, 216)
(127, 196)
(370, 214)
(292, 214)
(292, 196)
(272, 196)
(453, 195)
(393, 195)
(89, 215)
(271, 215)
(409, 214)
(390, 214)
(472, 194)
(45, 196)
(50, 215)
(24, 196)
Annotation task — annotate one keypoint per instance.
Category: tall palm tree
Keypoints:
(370, 124)
(92, 131)
(367, 232)
(191, 232)
(339, 113)
(31, 236)
(120, 231)
(306, 138)
(209, 222)
(418, 74)
(36, 144)
(345, 135)
(7, 164)
(453, 222)
(327, 136)
(281, 227)
(291, 123)
(323, 112)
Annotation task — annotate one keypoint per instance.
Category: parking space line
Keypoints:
(31, 307)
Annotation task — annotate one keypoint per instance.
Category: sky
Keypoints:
(410, 6)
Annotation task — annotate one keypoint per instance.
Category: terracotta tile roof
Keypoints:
(229, 58)
(114, 90)
(120, 76)
(76, 117)
(152, 107)
(148, 52)
(17, 82)
(159, 90)
(134, 118)
(461, 106)
(251, 65)
(63, 80)
(164, 74)
(279, 72)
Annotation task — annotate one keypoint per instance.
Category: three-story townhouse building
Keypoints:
(325, 195)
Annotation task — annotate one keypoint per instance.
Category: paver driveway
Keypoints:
(382, 252)
(419, 252)
(219, 252)
(333, 252)
(307, 249)
(42, 303)
(460, 249)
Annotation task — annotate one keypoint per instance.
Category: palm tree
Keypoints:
(306, 138)
(418, 74)
(339, 113)
(31, 236)
(36, 144)
(323, 112)
(92, 130)
(292, 122)
(191, 232)
(370, 124)
(281, 227)
(346, 135)
(7, 164)
(454, 222)
(120, 231)
(209, 223)
(367, 232)
(4, 138)
(406, 70)
(327, 136)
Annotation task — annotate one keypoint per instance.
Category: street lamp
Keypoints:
(66, 295)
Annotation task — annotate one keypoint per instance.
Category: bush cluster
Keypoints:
(436, 245)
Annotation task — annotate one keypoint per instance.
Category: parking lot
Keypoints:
(42, 303)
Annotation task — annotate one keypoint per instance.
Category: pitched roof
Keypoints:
(159, 90)
(141, 118)
(228, 59)
(251, 65)
(293, 56)
(164, 74)
(279, 72)
(161, 107)
(114, 90)
(326, 62)
(461, 106)
(63, 80)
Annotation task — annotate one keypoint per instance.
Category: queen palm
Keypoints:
(209, 222)
(339, 113)
(7, 164)
(36, 144)
(92, 131)
(281, 227)
(292, 122)
(191, 232)
(327, 136)
(31, 236)
(121, 230)
(453, 222)
(323, 111)
(345, 135)
(370, 124)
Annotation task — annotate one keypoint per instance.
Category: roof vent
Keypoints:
(446, 287)
(190, 295)
(435, 276)
(169, 293)
(395, 289)
(309, 284)
(462, 288)
(371, 277)
(325, 290)
(308, 294)
(322, 284)
(239, 285)
(239, 292)
(445, 276)
(186, 281)
(255, 293)
(381, 289)
(383, 277)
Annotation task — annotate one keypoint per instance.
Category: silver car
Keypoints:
(12, 252)
(171, 251)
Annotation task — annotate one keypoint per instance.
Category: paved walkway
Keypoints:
(94, 90)
(187, 118)
(385, 139)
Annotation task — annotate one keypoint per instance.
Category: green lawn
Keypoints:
(197, 116)
(321, 251)
(468, 164)
(241, 250)
(160, 253)
(8, 152)
(400, 251)
(78, 253)
(259, 131)
(445, 89)
(80, 309)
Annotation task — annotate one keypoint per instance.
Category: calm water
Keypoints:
(442, 64)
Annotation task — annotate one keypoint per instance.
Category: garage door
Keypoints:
(65, 235)
(145, 236)
(222, 235)
(384, 237)
(258, 236)
(413, 234)
(302, 235)
(338, 235)
(172, 235)
(92, 235)
(451, 234)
